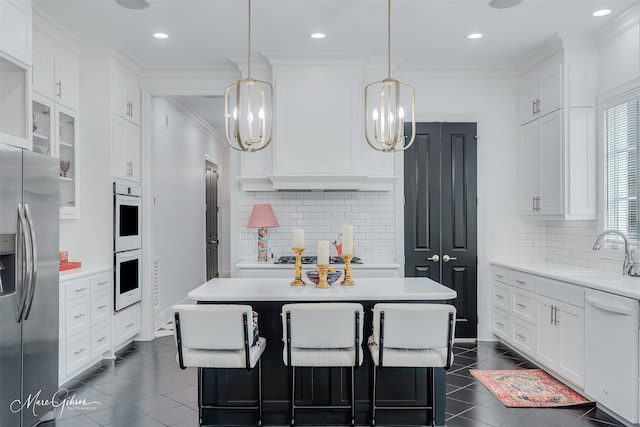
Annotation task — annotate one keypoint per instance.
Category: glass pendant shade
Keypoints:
(248, 110)
(388, 104)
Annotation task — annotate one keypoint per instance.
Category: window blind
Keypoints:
(621, 122)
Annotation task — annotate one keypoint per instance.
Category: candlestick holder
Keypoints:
(347, 281)
(297, 281)
(323, 269)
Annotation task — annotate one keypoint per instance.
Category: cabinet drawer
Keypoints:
(100, 306)
(101, 281)
(524, 336)
(571, 294)
(77, 313)
(100, 339)
(502, 296)
(524, 281)
(126, 324)
(502, 325)
(77, 288)
(77, 350)
(524, 305)
(501, 274)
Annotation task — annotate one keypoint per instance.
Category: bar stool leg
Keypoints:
(431, 385)
(259, 392)
(353, 398)
(200, 387)
(293, 395)
(373, 397)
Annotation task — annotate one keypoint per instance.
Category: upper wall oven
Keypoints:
(127, 217)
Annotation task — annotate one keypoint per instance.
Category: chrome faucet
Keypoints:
(628, 267)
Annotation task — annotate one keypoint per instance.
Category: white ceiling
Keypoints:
(429, 33)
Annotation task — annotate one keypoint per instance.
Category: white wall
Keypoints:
(178, 215)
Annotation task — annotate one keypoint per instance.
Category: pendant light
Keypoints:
(248, 110)
(385, 104)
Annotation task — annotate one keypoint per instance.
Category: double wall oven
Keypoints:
(127, 244)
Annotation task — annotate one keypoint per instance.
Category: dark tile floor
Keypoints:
(143, 387)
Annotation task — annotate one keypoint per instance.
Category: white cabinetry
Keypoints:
(557, 136)
(126, 325)
(55, 115)
(126, 149)
(85, 321)
(560, 337)
(126, 98)
(15, 30)
(126, 120)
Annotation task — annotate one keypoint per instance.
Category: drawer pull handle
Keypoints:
(79, 351)
(103, 283)
(77, 316)
(80, 289)
(500, 296)
(130, 325)
(521, 305)
(522, 282)
(100, 307)
(499, 276)
(102, 339)
(500, 324)
(522, 337)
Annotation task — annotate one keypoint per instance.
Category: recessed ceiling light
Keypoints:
(133, 4)
(474, 36)
(161, 36)
(601, 12)
(318, 35)
(503, 4)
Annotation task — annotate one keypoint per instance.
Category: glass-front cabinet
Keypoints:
(14, 104)
(67, 137)
(42, 125)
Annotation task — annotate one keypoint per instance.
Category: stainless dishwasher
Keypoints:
(611, 352)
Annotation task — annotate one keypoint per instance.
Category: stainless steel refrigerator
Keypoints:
(29, 244)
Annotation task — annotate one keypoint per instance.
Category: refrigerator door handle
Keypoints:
(34, 260)
(24, 263)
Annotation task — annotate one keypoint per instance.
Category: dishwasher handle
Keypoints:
(608, 307)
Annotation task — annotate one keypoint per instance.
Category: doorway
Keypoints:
(440, 213)
(211, 219)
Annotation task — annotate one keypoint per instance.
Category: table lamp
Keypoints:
(262, 217)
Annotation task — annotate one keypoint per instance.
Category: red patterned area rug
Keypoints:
(528, 388)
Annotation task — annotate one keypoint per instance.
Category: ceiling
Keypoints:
(430, 33)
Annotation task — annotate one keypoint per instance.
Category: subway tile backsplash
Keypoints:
(321, 215)
(566, 242)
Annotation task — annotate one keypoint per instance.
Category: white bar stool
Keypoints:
(411, 335)
(322, 335)
(218, 336)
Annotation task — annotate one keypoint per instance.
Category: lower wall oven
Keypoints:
(128, 278)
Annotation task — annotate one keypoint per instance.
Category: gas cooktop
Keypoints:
(313, 259)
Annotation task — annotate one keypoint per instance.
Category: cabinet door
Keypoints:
(550, 89)
(66, 132)
(126, 150)
(528, 168)
(43, 123)
(42, 72)
(570, 363)
(527, 97)
(66, 81)
(126, 97)
(15, 29)
(550, 159)
(546, 338)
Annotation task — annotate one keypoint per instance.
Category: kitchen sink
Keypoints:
(594, 277)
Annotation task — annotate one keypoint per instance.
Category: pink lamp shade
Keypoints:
(262, 216)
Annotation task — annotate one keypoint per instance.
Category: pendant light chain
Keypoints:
(389, 39)
(249, 48)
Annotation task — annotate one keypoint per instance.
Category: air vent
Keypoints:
(156, 282)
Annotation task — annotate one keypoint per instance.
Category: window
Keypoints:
(621, 159)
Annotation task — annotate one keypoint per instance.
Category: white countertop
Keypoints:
(313, 266)
(387, 289)
(75, 273)
(594, 279)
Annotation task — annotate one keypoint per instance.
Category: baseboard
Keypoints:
(166, 315)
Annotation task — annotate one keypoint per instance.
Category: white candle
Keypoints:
(298, 239)
(323, 252)
(347, 240)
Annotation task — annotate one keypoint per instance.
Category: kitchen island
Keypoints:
(402, 387)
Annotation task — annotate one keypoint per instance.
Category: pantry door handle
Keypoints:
(434, 258)
(447, 258)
